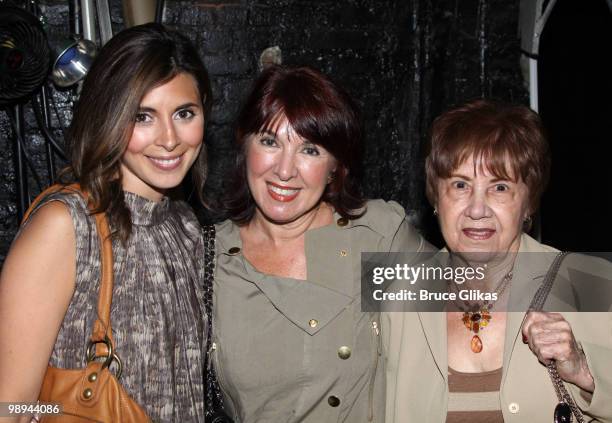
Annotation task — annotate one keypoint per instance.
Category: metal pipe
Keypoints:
(533, 18)
(159, 11)
(88, 14)
(104, 21)
(138, 12)
(47, 134)
(74, 16)
(21, 174)
(47, 123)
(536, 228)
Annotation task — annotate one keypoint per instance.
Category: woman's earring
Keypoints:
(330, 178)
(435, 211)
(527, 224)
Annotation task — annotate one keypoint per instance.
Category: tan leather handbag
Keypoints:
(92, 394)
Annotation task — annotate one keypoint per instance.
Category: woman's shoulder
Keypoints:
(388, 219)
(50, 217)
(69, 196)
(65, 209)
(382, 207)
(594, 263)
(66, 206)
(382, 216)
(224, 229)
(590, 266)
(530, 245)
(590, 274)
(227, 234)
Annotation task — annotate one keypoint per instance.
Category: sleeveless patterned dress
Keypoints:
(157, 311)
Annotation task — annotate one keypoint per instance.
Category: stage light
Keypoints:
(73, 62)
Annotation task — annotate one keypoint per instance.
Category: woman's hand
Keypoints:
(550, 337)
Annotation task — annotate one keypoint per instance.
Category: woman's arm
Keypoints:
(405, 238)
(36, 286)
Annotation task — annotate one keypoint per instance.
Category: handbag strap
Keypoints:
(537, 304)
(213, 396)
(102, 326)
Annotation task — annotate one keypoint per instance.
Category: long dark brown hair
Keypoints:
(128, 66)
(319, 111)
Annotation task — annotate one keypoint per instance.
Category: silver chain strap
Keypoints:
(562, 393)
(536, 305)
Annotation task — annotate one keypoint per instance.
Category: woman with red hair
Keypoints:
(291, 341)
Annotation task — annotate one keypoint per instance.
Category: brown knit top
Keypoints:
(474, 397)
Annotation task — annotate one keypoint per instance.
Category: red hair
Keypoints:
(319, 111)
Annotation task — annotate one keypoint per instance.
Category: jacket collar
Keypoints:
(309, 304)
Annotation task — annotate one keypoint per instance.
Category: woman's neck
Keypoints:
(131, 183)
(282, 233)
(495, 271)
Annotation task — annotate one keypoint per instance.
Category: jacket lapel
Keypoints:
(434, 328)
(529, 272)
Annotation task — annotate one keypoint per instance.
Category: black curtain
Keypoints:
(575, 78)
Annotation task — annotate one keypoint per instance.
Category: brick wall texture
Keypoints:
(405, 61)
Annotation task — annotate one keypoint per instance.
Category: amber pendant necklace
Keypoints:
(474, 321)
(477, 317)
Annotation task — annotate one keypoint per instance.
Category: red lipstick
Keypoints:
(282, 193)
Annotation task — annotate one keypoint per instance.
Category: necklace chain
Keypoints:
(487, 304)
(477, 317)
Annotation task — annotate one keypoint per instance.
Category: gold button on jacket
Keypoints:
(283, 344)
(344, 352)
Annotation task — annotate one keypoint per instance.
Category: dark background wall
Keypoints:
(575, 91)
(405, 61)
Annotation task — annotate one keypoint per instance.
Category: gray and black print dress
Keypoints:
(157, 307)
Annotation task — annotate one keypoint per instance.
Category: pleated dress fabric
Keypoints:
(157, 308)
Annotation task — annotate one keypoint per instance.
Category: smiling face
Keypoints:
(166, 140)
(287, 175)
(479, 212)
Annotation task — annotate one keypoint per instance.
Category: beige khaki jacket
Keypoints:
(416, 351)
(288, 350)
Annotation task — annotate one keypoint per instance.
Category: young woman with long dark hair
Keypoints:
(137, 131)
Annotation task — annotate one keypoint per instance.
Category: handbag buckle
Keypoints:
(91, 355)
